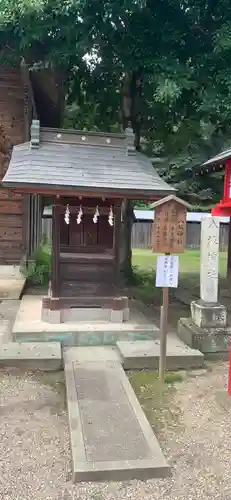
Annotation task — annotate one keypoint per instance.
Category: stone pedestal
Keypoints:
(212, 342)
(206, 330)
(207, 315)
(104, 309)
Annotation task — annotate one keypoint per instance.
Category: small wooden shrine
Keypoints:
(88, 176)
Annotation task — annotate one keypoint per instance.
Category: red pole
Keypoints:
(229, 375)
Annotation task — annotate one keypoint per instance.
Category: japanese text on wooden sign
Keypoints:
(167, 270)
(169, 228)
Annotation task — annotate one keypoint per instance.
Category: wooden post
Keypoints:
(163, 334)
(26, 227)
(168, 236)
(229, 375)
(55, 250)
(229, 254)
(116, 242)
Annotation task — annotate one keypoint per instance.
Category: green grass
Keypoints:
(157, 404)
(189, 261)
(144, 263)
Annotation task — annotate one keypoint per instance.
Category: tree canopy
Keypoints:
(184, 48)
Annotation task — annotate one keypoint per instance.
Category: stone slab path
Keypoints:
(111, 439)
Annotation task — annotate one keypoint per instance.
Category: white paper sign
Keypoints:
(167, 270)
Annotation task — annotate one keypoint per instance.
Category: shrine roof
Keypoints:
(219, 159)
(57, 159)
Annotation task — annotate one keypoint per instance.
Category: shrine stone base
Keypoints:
(207, 315)
(62, 310)
(213, 342)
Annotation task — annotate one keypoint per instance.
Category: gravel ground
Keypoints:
(35, 453)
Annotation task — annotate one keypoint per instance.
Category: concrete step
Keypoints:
(145, 355)
(111, 439)
(28, 327)
(8, 312)
(11, 282)
(31, 356)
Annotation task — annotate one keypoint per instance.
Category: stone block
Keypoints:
(207, 315)
(138, 355)
(126, 314)
(54, 317)
(75, 314)
(45, 315)
(8, 312)
(32, 356)
(116, 316)
(207, 340)
(119, 303)
(49, 313)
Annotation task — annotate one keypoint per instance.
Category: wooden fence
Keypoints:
(141, 234)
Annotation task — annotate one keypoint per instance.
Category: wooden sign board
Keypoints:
(169, 227)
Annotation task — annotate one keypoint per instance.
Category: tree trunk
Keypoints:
(131, 115)
(127, 226)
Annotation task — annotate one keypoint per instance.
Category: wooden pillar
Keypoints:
(116, 242)
(55, 279)
(229, 253)
(31, 224)
(26, 228)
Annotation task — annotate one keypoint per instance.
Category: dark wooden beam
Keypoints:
(116, 242)
(26, 227)
(55, 279)
(130, 195)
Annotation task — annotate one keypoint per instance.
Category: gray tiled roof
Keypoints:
(90, 167)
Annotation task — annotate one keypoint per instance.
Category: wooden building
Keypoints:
(23, 95)
(13, 130)
(89, 176)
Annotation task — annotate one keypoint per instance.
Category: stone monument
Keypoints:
(207, 330)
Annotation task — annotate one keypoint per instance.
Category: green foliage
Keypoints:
(185, 49)
(39, 269)
(172, 378)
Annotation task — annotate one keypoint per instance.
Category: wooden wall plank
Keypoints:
(10, 207)
(13, 128)
(5, 194)
(10, 220)
(10, 234)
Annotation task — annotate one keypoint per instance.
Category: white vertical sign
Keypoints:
(167, 270)
(209, 259)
